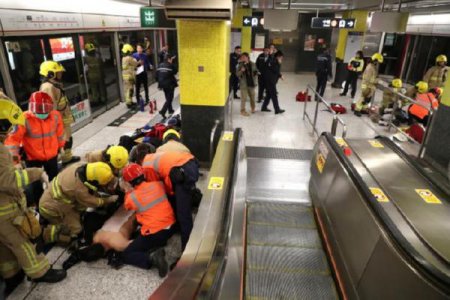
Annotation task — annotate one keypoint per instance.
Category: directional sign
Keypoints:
(333, 23)
(250, 21)
(155, 18)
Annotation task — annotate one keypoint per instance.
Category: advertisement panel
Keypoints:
(62, 48)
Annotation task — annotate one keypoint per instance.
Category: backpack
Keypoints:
(337, 108)
(303, 96)
(157, 131)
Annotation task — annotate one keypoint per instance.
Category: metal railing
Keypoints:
(211, 140)
(336, 119)
(383, 85)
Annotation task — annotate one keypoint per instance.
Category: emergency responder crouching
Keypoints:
(388, 103)
(115, 156)
(71, 192)
(129, 65)
(172, 142)
(437, 75)
(155, 215)
(17, 224)
(180, 172)
(425, 99)
(52, 72)
(42, 138)
(369, 80)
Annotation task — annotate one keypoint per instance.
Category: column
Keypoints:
(246, 32)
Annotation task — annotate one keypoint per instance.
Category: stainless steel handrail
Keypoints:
(229, 123)
(211, 140)
(336, 119)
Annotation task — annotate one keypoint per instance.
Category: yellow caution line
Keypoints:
(288, 270)
(285, 225)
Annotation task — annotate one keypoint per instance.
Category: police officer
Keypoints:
(165, 75)
(163, 53)
(323, 71)
(52, 72)
(17, 225)
(234, 80)
(261, 63)
(273, 74)
(437, 75)
(369, 80)
(94, 73)
(355, 67)
(129, 65)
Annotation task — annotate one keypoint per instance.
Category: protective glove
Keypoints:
(44, 180)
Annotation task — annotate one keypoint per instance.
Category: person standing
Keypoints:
(129, 65)
(42, 138)
(247, 74)
(355, 67)
(234, 80)
(94, 74)
(165, 76)
(273, 74)
(323, 71)
(163, 53)
(261, 63)
(141, 77)
(437, 75)
(52, 73)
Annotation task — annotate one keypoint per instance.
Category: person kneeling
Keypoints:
(156, 217)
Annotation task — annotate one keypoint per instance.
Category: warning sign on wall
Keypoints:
(215, 183)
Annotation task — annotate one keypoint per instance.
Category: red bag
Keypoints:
(337, 108)
(303, 96)
(416, 131)
(157, 131)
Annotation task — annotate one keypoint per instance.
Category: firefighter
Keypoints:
(115, 156)
(17, 224)
(369, 80)
(437, 75)
(94, 74)
(42, 138)
(155, 215)
(70, 193)
(425, 99)
(180, 172)
(52, 72)
(388, 103)
(129, 65)
(172, 142)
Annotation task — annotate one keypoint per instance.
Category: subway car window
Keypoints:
(100, 69)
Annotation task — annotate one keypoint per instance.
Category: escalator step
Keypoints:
(281, 215)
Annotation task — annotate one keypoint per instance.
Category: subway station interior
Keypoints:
(224, 149)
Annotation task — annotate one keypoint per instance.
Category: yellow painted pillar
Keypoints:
(246, 32)
(203, 48)
(445, 100)
(361, 26)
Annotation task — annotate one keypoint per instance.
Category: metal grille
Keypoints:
(278, 153)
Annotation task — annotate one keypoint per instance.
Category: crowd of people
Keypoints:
(265, 73)
(123, 202)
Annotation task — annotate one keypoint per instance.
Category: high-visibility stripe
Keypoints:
(154, 163)
(21, 178)
(8, 209)
(100, 202)
(47, 212)
(27, 253)
(36, 268)
(8, 266)
(57, 193)
(32, 135)
(53, 233)
(143, 208)
(164, 69)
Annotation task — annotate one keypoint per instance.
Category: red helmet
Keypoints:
(40, 103)
(131, 172)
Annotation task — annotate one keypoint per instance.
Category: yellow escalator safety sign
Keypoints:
(379, 194)
(341, 142)
(320, 162)
(376, 144)
(228, 136)
(215, 183)
(428, 196)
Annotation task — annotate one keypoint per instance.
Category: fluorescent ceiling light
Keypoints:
(314, 4)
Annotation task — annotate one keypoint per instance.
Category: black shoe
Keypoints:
(259, 101)
(280, 111)
(342, 94)
(115, 260)
(162, 115)
(131, 105)
(265, 109)
(73, 259)
(147, 102)
(358, 113)
(158, 259)
(236, 97)
(74, 159)
(353, 96)
(12, 282)
(52, 276)
(171, 112)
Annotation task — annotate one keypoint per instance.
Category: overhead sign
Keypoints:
(252, 21)
(155, 18)
(333, 23)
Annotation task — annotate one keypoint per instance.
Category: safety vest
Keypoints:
(157, 166)
(153, 210)
(427, 100)
(40, 139)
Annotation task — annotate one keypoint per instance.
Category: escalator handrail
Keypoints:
(397, 238)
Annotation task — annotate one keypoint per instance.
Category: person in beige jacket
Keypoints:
(129, 65)
(172, 143)
(437, 75)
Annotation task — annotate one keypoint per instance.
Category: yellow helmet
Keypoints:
(49, 68)
(127, 48)
(397, 83)
(378, 57)
(422, 87)
(89, 47)
(117, 156)
(169, 132)
(100, 172)
(11, 112)
(441, 58)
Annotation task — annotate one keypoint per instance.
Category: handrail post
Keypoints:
(306, 101)
(211, 140)
(316, 112)
(334, 125)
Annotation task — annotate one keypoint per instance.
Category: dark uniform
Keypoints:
(234, 80)
(261, 65)
(272, 74)
(323, 71)
(355, 67)
(165, 75)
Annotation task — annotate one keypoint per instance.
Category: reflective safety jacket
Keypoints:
(153, 210)
(60, 101)
(157, 166)
(356, 65)
(427, 100)
(41, 139)
(435, 77)
(369, 77)
(12, 182)
(129, 65)
(173, 146)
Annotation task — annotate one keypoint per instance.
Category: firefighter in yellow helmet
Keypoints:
(172, 142)
(17, 224)
(389, 96)
(51, 72)
(369, 80)
(115, 156)
(129, 65)
(94, 74)
(437, 75)
(75, 189)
